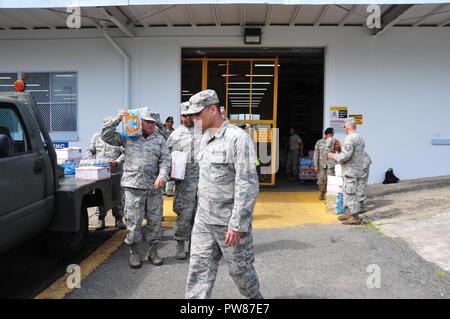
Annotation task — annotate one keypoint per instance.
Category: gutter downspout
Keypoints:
(126, 68)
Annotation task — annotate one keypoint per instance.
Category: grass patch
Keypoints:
(371, 226)
(441, 274)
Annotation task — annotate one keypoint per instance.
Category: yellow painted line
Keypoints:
(59, 288)
(278, 210)
(273, 210)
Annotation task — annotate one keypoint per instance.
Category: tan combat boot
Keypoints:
(181, 254)
(354, 220)
(153, 256)
(344, 216)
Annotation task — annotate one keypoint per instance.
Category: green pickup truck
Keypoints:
(35, 195)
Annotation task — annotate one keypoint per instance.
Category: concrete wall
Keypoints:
(399, 81)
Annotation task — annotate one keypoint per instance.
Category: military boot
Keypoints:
(135, 257)
(344, 216)
(354, 220)
(181, 254)
(322, 196)
(153, 256)
(100, 224)
(120, 224)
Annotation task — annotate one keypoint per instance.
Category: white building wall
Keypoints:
(399, 81)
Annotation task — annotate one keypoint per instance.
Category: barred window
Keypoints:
(55, 94)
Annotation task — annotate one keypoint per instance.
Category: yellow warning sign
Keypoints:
(358, 117)
(262, 136)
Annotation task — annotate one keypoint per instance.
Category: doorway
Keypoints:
(266, 88)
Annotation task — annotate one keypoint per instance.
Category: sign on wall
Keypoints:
(338, 115)
(358, 117)
(59, 145)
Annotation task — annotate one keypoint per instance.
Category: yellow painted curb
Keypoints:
(59, 288)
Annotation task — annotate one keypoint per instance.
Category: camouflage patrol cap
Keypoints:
(156, 116)
(184, 108)
(351, 121)
(201, 100)
(148, 116)
(108, 119)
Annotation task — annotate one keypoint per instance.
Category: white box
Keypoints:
(179, 160)
(334, 184)
(92, 173)
(69, 154)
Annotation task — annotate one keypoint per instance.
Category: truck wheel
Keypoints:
(69, 244)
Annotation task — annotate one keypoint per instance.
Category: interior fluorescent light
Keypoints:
(265, 65)
(247, 89)
(259, 75)
(244, 93)
(254, 83)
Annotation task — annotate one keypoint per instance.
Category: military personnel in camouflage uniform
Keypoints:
(227, 191)
(146, 168)
(354, 160)
(168, 129)
(323, 166)
(98, 149)
(185, 202)
(293, 157)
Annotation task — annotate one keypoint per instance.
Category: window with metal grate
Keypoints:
(55, 94)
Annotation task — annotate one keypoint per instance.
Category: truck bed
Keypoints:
(72, 192)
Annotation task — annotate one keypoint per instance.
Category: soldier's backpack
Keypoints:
(390, 178)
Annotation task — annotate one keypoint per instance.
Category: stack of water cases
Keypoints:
(93, 170)
(335, 197)
(69, 158)
(306, 168)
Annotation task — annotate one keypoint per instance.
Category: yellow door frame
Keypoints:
(272, 122)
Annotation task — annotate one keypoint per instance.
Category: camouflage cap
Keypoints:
(108, 119)
(148, 116)
(201, 100)
(184, 108)
(156, 116)
(351, 121)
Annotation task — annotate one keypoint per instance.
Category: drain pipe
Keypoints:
(126, 67)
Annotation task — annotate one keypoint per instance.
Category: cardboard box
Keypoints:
(92, 173)
(69, 154)
(179, 160)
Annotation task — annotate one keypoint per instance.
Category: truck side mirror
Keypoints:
(4, 145)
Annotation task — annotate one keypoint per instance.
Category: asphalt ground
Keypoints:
(324, 261)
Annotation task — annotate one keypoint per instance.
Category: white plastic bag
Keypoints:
(179, 160)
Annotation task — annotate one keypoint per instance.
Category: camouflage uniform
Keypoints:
(353, 159)
(365, 178)
(293, 157)
(227, 191)
(185, 201)
(325, 165)
(99, 149)
(145, 161)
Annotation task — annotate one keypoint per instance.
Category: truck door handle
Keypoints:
(37, 167)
